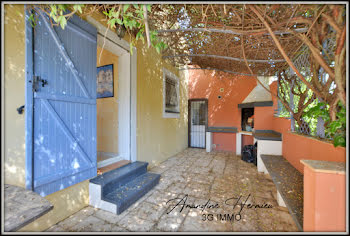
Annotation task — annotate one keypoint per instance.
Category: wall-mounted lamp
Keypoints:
(120, 30)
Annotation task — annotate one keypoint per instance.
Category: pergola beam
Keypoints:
(212, 30)
(227, 71)
(224, 57)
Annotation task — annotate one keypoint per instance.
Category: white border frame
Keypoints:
(127, 91)
(167, 73)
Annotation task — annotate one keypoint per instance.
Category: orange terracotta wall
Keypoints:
(296, 147)
(224, 141)
(281, 124)
(247, 140)
(222, 112)
(263, 118)
(324, 201)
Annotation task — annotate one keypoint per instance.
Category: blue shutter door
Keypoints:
(64, 139)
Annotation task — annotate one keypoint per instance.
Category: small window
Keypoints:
(171, 96)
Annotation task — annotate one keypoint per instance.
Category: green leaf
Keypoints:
(335, 125)
(63, 22)
(125, 7)
(339, 140)
(77, 7)
(149, 6)
(62, 7)
(131, 48)
(115, 14)
(158, 48)
(139, 35)
(136, 6)
(111, 22)
(53, 9)
(119, 21)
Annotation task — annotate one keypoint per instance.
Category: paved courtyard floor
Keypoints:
(198, 191)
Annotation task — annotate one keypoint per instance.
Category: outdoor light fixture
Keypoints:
(121, 30)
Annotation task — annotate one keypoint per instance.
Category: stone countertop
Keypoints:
(22, 207)
(325, 166)
(274, 136)
(290, 183)
(222, 129)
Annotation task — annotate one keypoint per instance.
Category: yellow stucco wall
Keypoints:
(157, 138)
(14, 69)
(66, 202)
(107, 108)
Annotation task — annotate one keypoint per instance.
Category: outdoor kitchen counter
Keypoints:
(22, 207)
(267, 135)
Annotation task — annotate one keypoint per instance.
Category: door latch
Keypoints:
(36, 80)
(20, 109)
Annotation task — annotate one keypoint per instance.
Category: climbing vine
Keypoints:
(131, 17)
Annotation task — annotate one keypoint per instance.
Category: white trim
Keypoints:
(239, 141)
(124, 106)
(109, 161)
(209, 142)
(109, 35)
(95, 193)
(267, 147)
(127, 93)
(133, 108)
(167, 73)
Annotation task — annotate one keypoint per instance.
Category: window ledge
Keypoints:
(171, 115)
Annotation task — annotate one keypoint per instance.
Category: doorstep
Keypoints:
(113, 166)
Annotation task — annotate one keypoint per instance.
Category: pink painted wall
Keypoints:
(263, 118)
(247, 140)
(296, 147)
(224, 141)
(222, 112)
(324, 201)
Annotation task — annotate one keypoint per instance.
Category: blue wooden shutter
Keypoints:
(64, 139)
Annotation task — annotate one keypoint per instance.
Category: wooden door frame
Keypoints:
(189, 119)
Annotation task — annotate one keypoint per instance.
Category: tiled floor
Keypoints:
(191, 179)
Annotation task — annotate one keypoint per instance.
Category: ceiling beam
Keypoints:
(236, 32)
(226, 71)
(224, 57)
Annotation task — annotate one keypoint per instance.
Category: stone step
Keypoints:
(114, 179)
(126, 195)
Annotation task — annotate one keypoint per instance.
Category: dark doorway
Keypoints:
(197, 122)
(247, 119)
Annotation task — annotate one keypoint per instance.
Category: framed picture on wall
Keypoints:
(105, 81)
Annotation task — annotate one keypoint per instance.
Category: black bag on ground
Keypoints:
(248, 154)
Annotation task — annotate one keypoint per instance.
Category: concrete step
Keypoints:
(126, 195)
(116, 190)
(113, 179)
